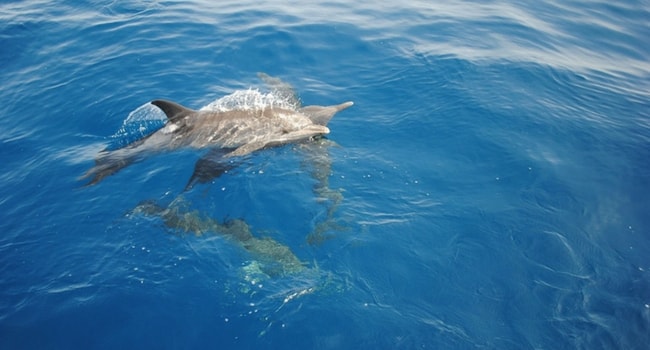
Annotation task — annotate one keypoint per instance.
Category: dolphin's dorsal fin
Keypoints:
(321, 115)
(172, 110)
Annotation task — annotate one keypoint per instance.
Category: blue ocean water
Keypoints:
(488, 189)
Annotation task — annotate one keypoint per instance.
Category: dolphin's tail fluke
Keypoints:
(106, 164)
(321, 115)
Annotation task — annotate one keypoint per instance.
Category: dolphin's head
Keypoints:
(321, 115)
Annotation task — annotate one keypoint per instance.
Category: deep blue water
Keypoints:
(488, 189)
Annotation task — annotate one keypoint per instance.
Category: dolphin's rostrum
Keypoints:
(227, 134)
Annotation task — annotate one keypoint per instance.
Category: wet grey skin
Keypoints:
(226, 134)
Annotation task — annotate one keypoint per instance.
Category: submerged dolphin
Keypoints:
(275, 259)
(226, 133)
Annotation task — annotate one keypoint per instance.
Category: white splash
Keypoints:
(248, 99)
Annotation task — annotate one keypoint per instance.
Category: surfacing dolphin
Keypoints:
(227, 134)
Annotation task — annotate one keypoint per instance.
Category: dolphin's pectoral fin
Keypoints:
(281, 88)
(211, 166)
(247, 149)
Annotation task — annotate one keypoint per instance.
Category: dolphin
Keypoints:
(275, 258)
(226, 134)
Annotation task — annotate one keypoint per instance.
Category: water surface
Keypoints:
(488, 189)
